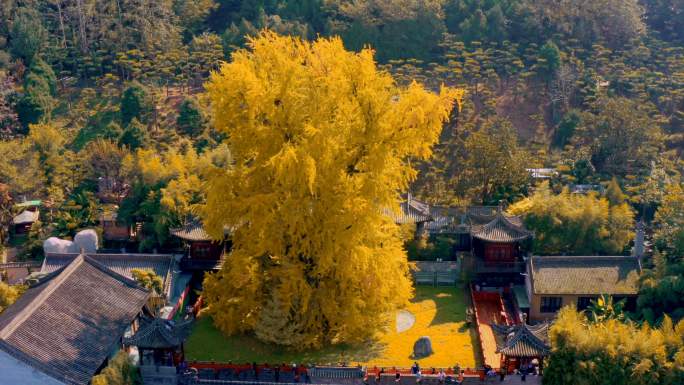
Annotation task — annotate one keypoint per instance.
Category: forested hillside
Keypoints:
(94, 90)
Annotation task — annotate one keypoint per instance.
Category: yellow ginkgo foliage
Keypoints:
(321, 141)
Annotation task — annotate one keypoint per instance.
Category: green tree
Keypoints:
(40, 85)
(566, 128)
(662, 291)
(190, 120)
(193, 12)
(669, 222)
(621, 137)
(604, 308)
(134, 136)
(585, 20)
(78, 212)
(206, 51)
(666, 17)
(134, 104)
(549, 60)
(28, 36)
(397, 29)
(493, 162)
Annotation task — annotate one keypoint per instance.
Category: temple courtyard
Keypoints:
(436, 312)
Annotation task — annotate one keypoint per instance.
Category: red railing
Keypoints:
(197, 306)
(470, 372)
(477, 319)
(237, 368)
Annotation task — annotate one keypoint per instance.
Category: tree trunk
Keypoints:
(61, 22)
(83, 39)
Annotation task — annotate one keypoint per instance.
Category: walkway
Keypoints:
(489, 308)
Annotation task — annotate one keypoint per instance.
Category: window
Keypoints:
(550, 304)
(584, 302)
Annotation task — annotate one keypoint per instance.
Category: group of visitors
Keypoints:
(524, 370)
(442, 376)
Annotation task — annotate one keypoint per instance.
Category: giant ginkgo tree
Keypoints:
(321, 143)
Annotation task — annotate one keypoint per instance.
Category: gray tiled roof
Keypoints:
(162, 264)
(522, 340)
(157, 333)
(483, 222)
(66, 325)
(411, 211)
(26, 216)
(591, 275)
(192, 231)
(502, 228)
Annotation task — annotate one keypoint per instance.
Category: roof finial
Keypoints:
(499, 209)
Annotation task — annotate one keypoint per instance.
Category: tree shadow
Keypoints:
(449, 303)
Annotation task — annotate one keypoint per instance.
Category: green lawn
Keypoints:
(439, 312)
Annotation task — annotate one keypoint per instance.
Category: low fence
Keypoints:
(477, 321)
(436, 273)
(238, 368)
(199, 381)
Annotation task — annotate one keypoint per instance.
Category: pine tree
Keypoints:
(190, 120)
(134, 104)
(134, 136)
(28, 34)
(320, 141)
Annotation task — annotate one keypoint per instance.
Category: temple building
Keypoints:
(23, 221)
(554, 282)
(499, 245)
(497, 241)
(114, 233)
(159, 343)
(67, 324)
(175, 283)
(28, 214)
(522, 344)
(203, 253)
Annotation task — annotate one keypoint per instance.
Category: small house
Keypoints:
(113, 231)
(554, 282)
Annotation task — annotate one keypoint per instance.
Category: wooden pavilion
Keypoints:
(203, 252)
(521, 344)
(499, 243)
(160, 341)
(160, 347)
